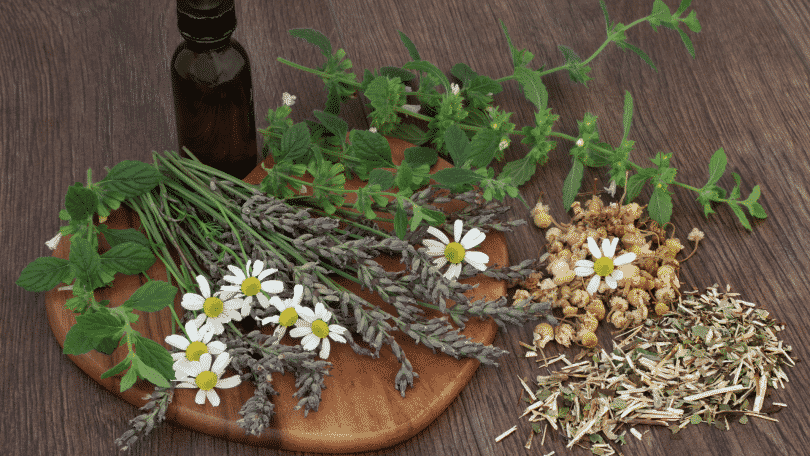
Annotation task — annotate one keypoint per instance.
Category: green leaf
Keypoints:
(520, 170)
(512, 50)
(573, 63)
(757, 210)
(458, 146)
(634, 185)
(129, 379)
(128, 258)
(368, 151)
(660, 15)
(684, 4)
(152, 296)
(660, 207)
(385, 95)
(572, 183)
(735, 192)
(154, 355)
(417, 156)
(404, 178)
(333, 123)
(130, 178)
(117, 237)
(717, 166)
(740, 214)
(692, 22)
(531, 84)
(86, 262)
(639, 52)
(431, 69)
(80, 202)
(147, 372)
(118, 368)
(409, 46)
(78, 341)
(687, 42)
(484, 146)
(455, 178)
(295, 143)
(605, 13)
(628, 113)
(381, 177)
(315, 38)
(45, 273)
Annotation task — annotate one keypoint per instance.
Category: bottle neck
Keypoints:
(205, 46)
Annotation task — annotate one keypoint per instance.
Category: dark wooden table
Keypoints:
(85, 84)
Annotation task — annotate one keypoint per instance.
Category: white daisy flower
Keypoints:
(604, 266)
(250, 284)
(314, 327)
(200, 374)
(457, 251)
(289, 311)
(197, 343)
(216, 310)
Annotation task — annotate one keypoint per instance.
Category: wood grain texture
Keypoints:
(85, 84)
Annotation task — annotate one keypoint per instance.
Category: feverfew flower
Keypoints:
(289, 312)
(288, 99)
(197, 344)
(314, 327)
(457, 251)
(604, 266)
(216, 309)
(250, 284)
(200, 374)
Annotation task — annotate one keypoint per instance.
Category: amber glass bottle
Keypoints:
(213, 94)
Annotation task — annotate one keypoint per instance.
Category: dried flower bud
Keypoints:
(595, 205)
(666, 294)
(596, 308)
(619, 320)
(580, 298)
(553, 233)
(631, 212)
(588, 339)
(696, 235)
(589, 322)
(673, 245)
(576, 206)
(665, 272)
(520, 295)
(618, 304)
(541, 216)
(563, 334)
(543, 333)
(555, 247)
(638, 297)
(569, 311)
(547, 284)
(561, 303)
(661, 308)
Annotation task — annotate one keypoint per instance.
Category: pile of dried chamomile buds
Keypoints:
(644, 280)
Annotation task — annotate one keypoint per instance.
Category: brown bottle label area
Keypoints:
(215, 119)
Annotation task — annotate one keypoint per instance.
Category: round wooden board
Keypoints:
(360, 409)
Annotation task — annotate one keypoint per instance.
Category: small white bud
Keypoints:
(288, 99)
(580, 142)
(373, 129)
(503, 144)
(454, 88)
(54, 242)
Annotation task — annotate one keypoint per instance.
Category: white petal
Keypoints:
(204, 287)
(583, 271)
(300, 332)
(298, 294)
(310, 341)
(593, 285)
(584, 264)
(266, 273)
(237, 277)
(439, 235)
(193, 331)
(617, 274)
(335, 334)
(279, 332)
(221, 363)
(217, 347)
(307, 314)
(273, 286)
(457, 227)
(205, 363)
(230, 382)
(477, 259)
(611, 282)
(192, 301)
(178, 341)
(453, 271)
(200, 397)
(473, 238)
(190, 369)
(434, 247)
(624, 259)
(325, 349)
(593, 248)
(273, 319)
(213, 397)
(608, 249)
(439, 262)
(258, 265)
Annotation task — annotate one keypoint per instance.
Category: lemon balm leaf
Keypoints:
(314, 38)
(409, 46)
(130, 178)
(118, 368)
(45, 273)
(80, 202)
(152, 296)
(128, 258)
(154, 355)
(146, 371)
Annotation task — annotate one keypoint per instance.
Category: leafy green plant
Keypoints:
(464, 126)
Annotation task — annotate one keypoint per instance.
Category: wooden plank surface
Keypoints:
(85, 84)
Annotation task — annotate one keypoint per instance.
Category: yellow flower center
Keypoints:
(206, 380)
(288, 317)
(454, 252)
(320, 328)
(603, 266)
(251, 286)
(213, 306)
(195, 350)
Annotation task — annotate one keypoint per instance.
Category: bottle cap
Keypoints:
(206, 21)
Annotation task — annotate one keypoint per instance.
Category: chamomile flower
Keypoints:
(315, 329)
(201, 374)
(289, 312)
(216, 309)
(457, 251)
(604, 266)
(249, 283)
(197, 343)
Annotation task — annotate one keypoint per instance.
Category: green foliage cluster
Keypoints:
(463, 125)
(98, 326)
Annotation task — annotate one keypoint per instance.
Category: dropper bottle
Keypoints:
(211, 84)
